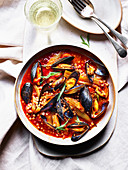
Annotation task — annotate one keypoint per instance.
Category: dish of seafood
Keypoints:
(65, 94)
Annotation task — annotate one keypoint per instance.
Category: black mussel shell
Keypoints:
(59, 109)
(50, 103)
(34, 70)
(87, 65)
(101, 70)
(63, 60)
(86, 99)
(74, 75)
(77, 136)
(26, 92)
(68, 113)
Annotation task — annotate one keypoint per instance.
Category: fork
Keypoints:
(85, 10)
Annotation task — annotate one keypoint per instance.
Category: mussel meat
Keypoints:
(80, 129)
(63, 67)
(98, 112)
(86, 99)
(26, 92)
(72, 80)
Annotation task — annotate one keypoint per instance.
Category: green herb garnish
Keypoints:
(61, 92)
(83, 41)
(62, 126)
(50, 74)
(97, 96)
(77, 120)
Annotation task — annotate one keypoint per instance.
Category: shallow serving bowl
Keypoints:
(94, 131)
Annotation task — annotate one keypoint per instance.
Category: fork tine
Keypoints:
(79, 5)
(76, 5)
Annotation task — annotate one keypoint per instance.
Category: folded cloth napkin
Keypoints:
(17, 150)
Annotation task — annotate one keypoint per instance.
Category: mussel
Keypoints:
(89, 69)
(63, 60)
(79, 110)
(58, 83)
(26, 92)
(97, 113)
(48, 124)
(72, 80)
(68, 113)
(85, 99)
(74, 89)
(50, 103)
(63, 67)
(45, 88)
(101, 70)
(36, 73)
(80, 129)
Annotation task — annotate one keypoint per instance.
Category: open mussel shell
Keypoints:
(72, 80)
(26, 92)
(80, 129)
(88, 69)
(85, 99)
(95, 115)
(48, 124)
(34, 71)
(74, 89)
(63, 60)
(63, 67)
(50, 103)
(100, 69)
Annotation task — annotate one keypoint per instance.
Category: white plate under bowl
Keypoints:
(110, 11)
(51, 139)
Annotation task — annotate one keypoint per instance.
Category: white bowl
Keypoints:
(94, 131)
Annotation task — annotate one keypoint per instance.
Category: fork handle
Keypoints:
(120, 50)
(122, 38)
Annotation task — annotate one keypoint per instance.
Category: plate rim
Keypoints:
(96, 33)
(29, 125)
